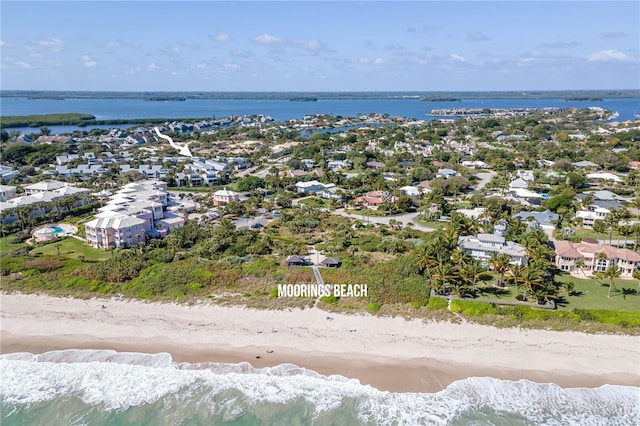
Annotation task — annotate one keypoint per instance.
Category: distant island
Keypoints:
(303, 99)
(166, 98)
(584, 98)
(439, 99)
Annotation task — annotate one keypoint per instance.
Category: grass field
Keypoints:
(6, 246)
(70, 247)
(592, 294)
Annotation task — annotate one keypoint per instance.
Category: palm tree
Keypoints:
(442, 274)
(533, 281)
(470, 273)
(611, 273)
(516, 276)
(500, 262)
(580, 264)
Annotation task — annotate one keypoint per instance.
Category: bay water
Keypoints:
(278, 109)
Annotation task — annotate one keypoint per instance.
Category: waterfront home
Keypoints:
(117, 230)
(482, 246)
(568, 254)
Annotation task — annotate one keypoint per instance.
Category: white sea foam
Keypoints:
(115, 381)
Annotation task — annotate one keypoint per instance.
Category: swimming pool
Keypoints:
(52, 231)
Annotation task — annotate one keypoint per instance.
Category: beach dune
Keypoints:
(389, 353)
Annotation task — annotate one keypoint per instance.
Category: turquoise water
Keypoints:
(108, 388)
(57, 229)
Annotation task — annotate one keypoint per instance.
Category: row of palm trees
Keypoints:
(448, 268)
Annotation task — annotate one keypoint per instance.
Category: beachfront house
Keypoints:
(569, 254)
(482, 246)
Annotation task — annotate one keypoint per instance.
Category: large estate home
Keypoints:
(482, 246)
(569, 254)
(131, 215)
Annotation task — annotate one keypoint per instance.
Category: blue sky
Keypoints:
(319, 45)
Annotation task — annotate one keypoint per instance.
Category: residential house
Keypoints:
(224, 197)
(447, 173)
(545, 220)
(586, 165)
(43, 186)
(604, 176)
(374, 199)
(309, 187)
(482, 246)
(568, 254)
(590, 216)
(7, 192)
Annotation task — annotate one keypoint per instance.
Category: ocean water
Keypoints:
(84, 387)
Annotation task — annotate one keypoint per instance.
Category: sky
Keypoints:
(319, 46)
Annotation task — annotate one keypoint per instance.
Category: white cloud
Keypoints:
(88, 62)
(267, 39)
(152, 67)
(201, 65)
(221, 37)
(3, 43)
(230, 65)
(364, 60)
(51, 43)
(378, 61)
(309, 44)
(608, 56)
(113, 44)
(457, 59)
(13, 63)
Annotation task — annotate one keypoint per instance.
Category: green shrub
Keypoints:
(373, 308)
(473, 309)
(330, 300)
(273, 293)
(437, 303)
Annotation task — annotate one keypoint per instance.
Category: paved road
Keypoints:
(404, 219)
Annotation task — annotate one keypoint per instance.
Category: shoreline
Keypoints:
(391, 354)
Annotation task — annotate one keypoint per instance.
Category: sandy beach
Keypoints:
(388, 353)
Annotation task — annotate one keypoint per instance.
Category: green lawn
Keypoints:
(6, 246)
(71, 247)
(592, 294)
